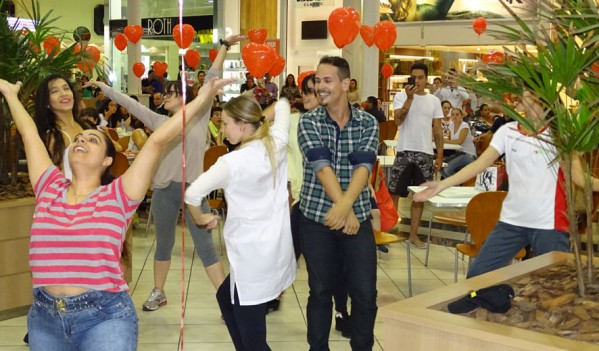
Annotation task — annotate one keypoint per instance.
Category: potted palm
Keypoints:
(28, 55)
(557, 56)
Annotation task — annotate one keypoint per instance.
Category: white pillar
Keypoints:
(133, 50)
(370, 55)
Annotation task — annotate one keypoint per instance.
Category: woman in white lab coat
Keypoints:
(257, 231)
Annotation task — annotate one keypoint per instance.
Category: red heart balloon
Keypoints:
(134, 32)
(51, 45)
(183, 35)
(212, 54)
(387, 70)
(93, 53)
(302, 76)
(139, 69)
(160, 68)
(258, 58)
(479, 25)
(497, 57)
(343, 26)
(192, 57)
(257, 36)
(86, 67)
(77, 48)
(277, 67)
(595, 67)
(487, 58)
(385, 34)
(367, 34)
(120, 41)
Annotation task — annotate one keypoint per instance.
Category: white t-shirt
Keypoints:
(455, 96)
(416, 132)
(468, 143)
(536, 198)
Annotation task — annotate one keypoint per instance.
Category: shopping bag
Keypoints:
(491, 178)
(389, 215)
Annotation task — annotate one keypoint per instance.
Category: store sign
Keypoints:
(275, 44)
(314, 3)
(426, 10)
(162, 27)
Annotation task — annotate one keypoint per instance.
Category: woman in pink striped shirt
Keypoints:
(80, 295)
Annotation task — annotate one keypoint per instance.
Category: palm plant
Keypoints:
(558, 57)
(27, 55)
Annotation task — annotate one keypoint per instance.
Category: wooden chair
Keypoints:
(482, 214)
(217, 202)
(120, 164)
(113, 134)
(483, 143)
(387, 131)
(124, 142)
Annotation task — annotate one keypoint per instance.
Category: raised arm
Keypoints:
(138, 176)
(38, 159)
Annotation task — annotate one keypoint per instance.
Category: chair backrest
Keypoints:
(212, 154)
(482, 214)
(124, 142)
(113, 134)
(483, 143)
(387, 130)
(120, 164)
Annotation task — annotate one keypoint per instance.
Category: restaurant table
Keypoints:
(455, 196)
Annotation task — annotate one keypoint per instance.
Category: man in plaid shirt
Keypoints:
(339, 146)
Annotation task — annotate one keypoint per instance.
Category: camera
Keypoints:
(411, 80)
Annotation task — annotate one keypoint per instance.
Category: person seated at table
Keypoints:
(534, 211)
(214, 126)
(459, 134)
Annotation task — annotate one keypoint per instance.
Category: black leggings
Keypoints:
(246, 324)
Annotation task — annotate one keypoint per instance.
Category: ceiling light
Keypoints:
(412, 58)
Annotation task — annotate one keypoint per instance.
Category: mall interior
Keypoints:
(298, 32)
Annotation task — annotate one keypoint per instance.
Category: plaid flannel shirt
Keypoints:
(324, 144)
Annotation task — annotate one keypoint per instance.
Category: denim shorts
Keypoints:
(94, 320)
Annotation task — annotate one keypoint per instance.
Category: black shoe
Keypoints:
(26, 338)
(343, 324)
(382, 248)
(273, 305)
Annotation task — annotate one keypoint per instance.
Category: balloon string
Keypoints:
(183, 187)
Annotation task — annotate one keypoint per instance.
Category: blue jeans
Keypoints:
(456, 162)
(330, 256)
(506, 240)
(246, 324)
(92, 321)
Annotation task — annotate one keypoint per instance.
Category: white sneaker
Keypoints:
(156, 300)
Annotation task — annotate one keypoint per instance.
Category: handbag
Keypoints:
(389, 215)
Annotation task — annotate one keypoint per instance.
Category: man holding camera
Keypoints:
(414, 111)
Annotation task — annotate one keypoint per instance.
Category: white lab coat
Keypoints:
(257, 230)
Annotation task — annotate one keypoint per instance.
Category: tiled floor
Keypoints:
(286, 328)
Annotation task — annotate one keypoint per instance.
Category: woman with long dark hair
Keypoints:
(80, 294)
(290, 89)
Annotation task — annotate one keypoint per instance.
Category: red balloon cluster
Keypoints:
(183, 35)
(387, 70)
(479, 25)
(134, 32)
(51, 45)
(139, 69)
(160, 68)
(344, 25)
(493, 57)
(90, 59)
(192, 57)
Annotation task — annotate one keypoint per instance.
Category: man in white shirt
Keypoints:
(451, 92)
(414, 111)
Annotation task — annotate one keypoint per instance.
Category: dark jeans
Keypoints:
(330, 256)
(340, 292)
(246, 324)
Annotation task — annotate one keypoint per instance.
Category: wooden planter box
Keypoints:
(15, 278)
(417, 323)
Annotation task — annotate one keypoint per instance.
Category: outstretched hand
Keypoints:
(93, 83)
(7, 88)
(236, 38)
(431, 189)
(214, 86)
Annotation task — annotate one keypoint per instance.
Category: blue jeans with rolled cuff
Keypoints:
(92, 321)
